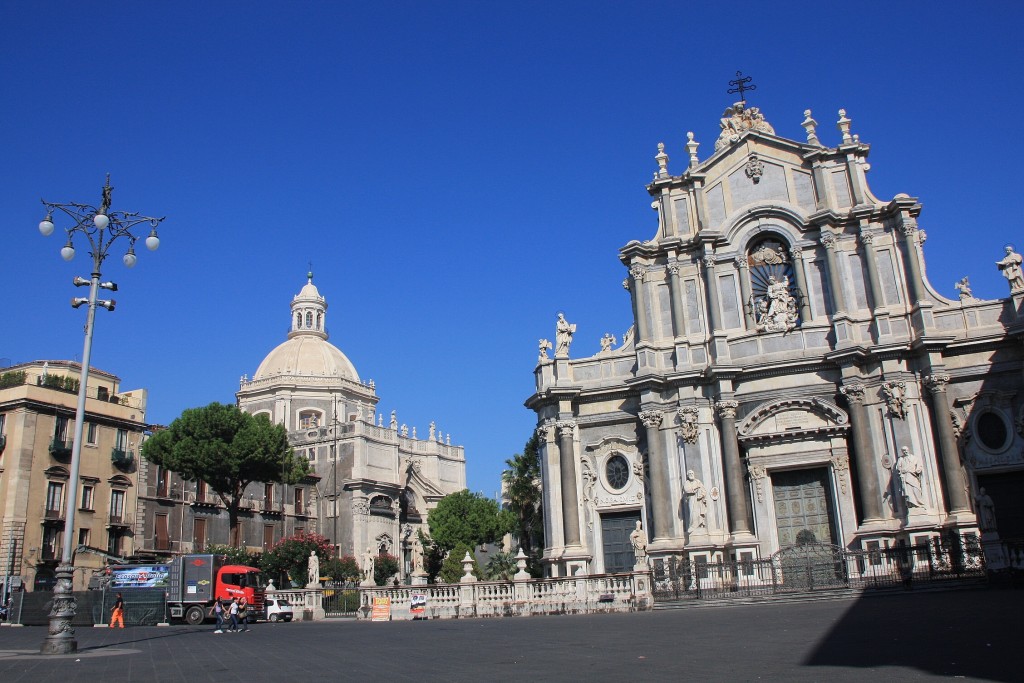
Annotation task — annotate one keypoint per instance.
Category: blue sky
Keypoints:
(457, 172)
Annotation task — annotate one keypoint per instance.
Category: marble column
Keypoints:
(801, 283)
(657, 467)
(916, 282)
(867, 239)
(835, 282)
(949, 453)
(570, 494)
(867, 476)
(735, 492)
(636, 273)
(748, 310)
(675, 289)
(711, 283)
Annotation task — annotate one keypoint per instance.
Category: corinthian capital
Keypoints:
(867, 238)
(796, 254)
(637, 271)
(828, 240)
(854, 392)
(673, 269)
(727, 409)
(909, 229)
(543, 431)
(709, 261)
(565, 427)
(936, 382)
(651, 418)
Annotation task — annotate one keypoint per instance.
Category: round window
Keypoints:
(617, 472)
(992, 431)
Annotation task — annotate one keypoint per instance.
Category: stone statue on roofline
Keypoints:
(737, 120)
(1010, 265)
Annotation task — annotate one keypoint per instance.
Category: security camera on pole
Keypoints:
(101, 227)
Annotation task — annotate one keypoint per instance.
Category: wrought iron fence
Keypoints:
(819, 567)
(340, 599)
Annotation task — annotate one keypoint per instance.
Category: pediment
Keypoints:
(793, 418)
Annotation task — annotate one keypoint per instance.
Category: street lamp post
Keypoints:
(101, 228)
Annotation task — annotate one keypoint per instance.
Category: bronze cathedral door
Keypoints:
(803, 506)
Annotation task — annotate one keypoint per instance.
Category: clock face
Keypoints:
(616, 470)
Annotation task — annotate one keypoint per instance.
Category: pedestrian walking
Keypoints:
(218, 611)
(243, 613)
(233, 613)
(117, 612)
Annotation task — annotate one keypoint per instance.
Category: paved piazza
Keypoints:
(968, 635)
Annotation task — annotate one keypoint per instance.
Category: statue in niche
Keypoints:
(911, 472)
(776, 310)
(895, 395)
(697, 502)
(639, 541)
(417, 556)
(543, 345)
(607, 342)
(964, 288)
(986, 511)
(563, 336)
(1010, 265)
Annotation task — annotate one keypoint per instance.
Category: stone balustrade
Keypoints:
(518, 598)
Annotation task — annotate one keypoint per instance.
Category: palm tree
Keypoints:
(522, 491)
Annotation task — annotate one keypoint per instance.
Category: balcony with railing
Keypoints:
(53, 515)
(119, 520)
(122, 458)
(61, 448)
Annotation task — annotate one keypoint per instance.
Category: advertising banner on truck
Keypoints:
(150, 576)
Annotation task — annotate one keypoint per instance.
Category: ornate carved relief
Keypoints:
(651, 418)
(854, 392)
(737, 120)
(895, 394)
(360, 506)
(727, 409)
(841, 465)
(542, 431)
(754, 168)
(688, 427)
(757, 474)
(776, 311)
(936, 382)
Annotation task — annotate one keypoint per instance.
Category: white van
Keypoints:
(279, 609)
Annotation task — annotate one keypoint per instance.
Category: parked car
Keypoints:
(279, 609)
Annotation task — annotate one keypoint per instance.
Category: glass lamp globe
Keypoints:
(67, 253)
(100, 221)
(130, 259)
(46, 227)
(152, 242)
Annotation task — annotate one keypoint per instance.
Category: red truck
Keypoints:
(193, 583)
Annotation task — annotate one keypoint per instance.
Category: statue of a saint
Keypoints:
(563, 336)
(313, 572)
(368, 565)
(607, 342)
(697, 501)
(1011, 267)
(986, 511)
(542, 346)
(639, 541)
(911, 472)
(964, 287)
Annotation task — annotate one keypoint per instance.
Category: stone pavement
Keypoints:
(911, 636)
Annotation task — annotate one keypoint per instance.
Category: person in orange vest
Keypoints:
(117, 612)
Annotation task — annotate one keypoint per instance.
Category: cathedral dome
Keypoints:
(307, 353)
(307, 356)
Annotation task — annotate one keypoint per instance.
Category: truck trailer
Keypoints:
(192, 583)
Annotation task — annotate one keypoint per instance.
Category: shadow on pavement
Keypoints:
(966, 633)
(120, 643)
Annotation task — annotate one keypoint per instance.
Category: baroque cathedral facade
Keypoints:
(790, 376)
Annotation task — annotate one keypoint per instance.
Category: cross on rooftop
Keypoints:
(741, 85)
